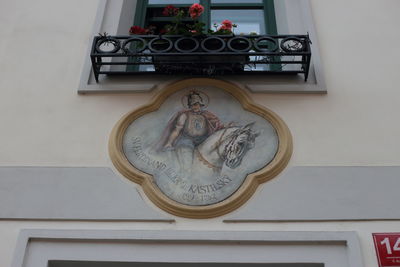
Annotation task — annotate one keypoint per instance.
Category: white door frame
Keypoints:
(36, 247)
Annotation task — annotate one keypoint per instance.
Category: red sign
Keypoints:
(387, 246)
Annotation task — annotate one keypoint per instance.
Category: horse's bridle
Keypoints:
(206, 162)
(217, 144)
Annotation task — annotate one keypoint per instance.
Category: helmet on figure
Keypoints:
(194, 98)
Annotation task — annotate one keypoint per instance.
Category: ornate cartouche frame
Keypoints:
(249, 185)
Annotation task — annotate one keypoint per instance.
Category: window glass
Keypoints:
(236, 1)
(247, 21)
(169, 2)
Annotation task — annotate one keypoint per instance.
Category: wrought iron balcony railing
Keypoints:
(201, 55)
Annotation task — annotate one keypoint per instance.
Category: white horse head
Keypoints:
(227, 146)
(239, 143)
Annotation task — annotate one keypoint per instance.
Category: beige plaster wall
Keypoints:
(44, 122)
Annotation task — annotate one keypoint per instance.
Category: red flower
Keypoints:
(196, 10)
(137, 30)
(224, 28)
(227, 24)
(170, 10)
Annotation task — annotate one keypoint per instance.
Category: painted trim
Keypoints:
(249, 185)
(97, 26)
(350, 239)
(326, 193)
(72, 193)
(316, 63)
(140, 14)
(269, 17)
(311, 194)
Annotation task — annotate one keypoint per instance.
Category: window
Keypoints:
(292, 17)
(248, 53)
(249, 15)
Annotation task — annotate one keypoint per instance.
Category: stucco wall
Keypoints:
(44, 122)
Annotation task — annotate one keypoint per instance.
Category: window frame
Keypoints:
(267, 6)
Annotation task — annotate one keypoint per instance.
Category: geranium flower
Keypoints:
(227, 24)
(196, 10)
(224, 28)
(137, 30)
(170, 10)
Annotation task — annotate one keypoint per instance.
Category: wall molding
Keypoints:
(71, 193)
(44, 245)
(312, 193)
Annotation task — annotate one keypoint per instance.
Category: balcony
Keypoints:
(210, 55)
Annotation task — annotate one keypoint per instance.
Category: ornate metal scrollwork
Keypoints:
(134, 45)
(292, 44)
(202, 55)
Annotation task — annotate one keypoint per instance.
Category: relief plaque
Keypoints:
(200, 148)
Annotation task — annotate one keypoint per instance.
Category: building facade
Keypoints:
(65, 202)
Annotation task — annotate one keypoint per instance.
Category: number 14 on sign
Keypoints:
(389, 249)
(387, 246)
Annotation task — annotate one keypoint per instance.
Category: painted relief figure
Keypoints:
(199, 139)
(188, 128)
(195, 153)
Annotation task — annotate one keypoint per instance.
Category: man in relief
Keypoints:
(189, 128)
